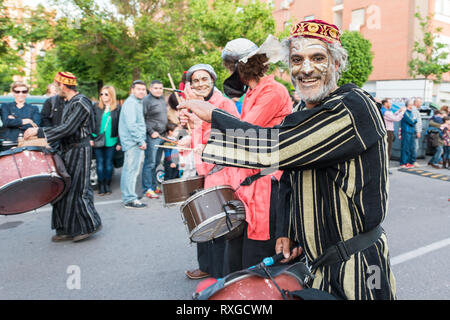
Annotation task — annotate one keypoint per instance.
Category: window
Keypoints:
(357, 19)
(442, 7)
(338, 19)
(309, 18)
(338, 2)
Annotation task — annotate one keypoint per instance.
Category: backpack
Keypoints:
(433, 139)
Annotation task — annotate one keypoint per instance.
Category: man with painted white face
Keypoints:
(334, 186)
(200, 84)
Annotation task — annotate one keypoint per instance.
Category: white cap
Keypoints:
(237, 49)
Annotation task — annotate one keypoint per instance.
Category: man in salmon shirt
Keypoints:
(200, 85)
(266, 103)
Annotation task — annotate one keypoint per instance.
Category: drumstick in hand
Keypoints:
(178, 99)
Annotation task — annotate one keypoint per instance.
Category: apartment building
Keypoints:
(391, 27)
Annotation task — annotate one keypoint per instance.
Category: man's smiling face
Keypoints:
(312, 71)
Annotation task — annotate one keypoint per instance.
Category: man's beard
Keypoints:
(323, 91)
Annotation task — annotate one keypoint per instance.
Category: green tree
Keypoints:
(431, 55)
(147, 39)
(359, 57)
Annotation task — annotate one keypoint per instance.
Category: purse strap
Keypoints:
(107, 121)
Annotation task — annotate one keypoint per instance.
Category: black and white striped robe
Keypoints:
(335, 182)
(75, 214)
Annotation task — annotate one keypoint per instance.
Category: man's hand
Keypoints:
(118, 147)
(418, 135)
(201, 109)
(143, 146)
(283, 245)
(30, 133)
(173, 165)
(155, 135)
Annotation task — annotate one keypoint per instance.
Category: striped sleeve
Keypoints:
(336, 131)
(68, 127)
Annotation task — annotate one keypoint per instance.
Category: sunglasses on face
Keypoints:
(104, 94)
(20, 91)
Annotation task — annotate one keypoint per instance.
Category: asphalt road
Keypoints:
(142, 254)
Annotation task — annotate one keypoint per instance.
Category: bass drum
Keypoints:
(251, 287)
(31, 178)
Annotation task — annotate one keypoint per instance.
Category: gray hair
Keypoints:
(337, 51)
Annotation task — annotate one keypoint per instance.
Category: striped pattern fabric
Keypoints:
(334, 186)
(75, 214)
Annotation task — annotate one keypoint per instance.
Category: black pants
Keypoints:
(242, 252)
(210, 256)
(170, 173)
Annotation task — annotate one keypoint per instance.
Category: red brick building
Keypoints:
(391, 27)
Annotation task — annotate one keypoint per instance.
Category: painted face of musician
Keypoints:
(312, 71)
(202, 83)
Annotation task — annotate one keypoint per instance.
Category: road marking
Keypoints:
(101, 203)
(424, 173)
(420, 251)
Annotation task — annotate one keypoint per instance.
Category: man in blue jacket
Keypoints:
(408, 123)
(132, 138)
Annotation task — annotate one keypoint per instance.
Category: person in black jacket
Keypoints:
(107, 122)
(52, 110)
(155, 114)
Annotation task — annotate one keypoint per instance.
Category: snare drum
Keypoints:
(31, 178)
(212, 213)
(176, 191)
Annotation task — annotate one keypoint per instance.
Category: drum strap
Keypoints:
(249, 180)
(343, 250)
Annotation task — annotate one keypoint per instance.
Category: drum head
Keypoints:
(216, 227)
(29, 193)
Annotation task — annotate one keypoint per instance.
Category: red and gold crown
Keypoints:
(316, 29)
(66, 78)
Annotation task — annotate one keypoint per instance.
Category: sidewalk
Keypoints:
(394, 165)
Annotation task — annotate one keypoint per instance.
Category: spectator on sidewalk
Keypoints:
(408, 127)
(132, 138)
(107, 113)
(171, 156)
(435, 134)
(155, 114)
(446, 137)
(389, 119)
(418, 127)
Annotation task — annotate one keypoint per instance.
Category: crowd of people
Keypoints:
(324, 196)
(410, 131)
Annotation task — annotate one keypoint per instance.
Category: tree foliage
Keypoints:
(431, 55)
(147, 39)
(360, 58)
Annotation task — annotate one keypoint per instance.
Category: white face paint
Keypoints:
(311, 68)
(202, 83)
